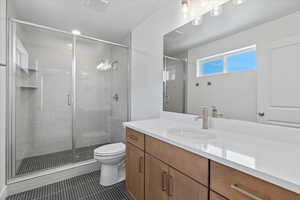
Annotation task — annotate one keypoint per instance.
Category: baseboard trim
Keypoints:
(3, 193)
(32, 183)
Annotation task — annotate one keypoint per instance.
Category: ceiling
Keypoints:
(233, 20)
(110, 22)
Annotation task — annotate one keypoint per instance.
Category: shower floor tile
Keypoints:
(57, 159)
(84, 187)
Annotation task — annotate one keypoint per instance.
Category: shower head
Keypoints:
(106, 65)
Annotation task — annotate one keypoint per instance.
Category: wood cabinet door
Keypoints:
(182, 187)
(156, 173)
(135, 172)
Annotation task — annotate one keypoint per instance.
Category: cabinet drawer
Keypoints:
(187, 163)
(236, 185)
(135, 138)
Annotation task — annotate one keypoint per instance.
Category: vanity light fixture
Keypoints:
(76, 32)
(238, 2)
(197, 21)
(185, 6)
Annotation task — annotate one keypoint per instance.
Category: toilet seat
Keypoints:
(110, 149)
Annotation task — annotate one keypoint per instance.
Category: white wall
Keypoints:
(147, 59)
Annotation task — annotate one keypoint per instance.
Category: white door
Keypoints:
(280, 84)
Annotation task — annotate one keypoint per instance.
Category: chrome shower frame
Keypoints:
(10, 114)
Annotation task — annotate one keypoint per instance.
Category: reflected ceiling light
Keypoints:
(76, 32)
(216, 11)
(185, 6)
(197, 21)
(204, 3)
(238, 2)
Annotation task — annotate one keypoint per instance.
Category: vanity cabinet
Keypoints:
(186, 162)
(236, 185)
(157, 170)
(2, 32)
(135, 172)
(135, 164)
(165, 183)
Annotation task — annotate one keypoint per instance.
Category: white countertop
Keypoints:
(272, 160)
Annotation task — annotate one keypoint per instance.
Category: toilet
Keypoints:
(112, 160)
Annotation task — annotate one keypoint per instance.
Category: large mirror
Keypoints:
(242, 61)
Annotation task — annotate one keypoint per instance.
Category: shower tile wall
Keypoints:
(120, 87)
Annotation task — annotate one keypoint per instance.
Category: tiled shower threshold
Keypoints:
(54, 160)
(84, 187)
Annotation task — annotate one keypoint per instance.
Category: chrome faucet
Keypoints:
(204, 117)
(216, 113)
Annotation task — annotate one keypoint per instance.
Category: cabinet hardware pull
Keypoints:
(141, 164)
(133, 137)
(163, 181)
(244, 192)
(170, 185)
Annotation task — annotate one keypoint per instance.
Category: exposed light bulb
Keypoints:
(197, 21)
(76, 32)
(238, 2)
(216, 11)
(185, 6)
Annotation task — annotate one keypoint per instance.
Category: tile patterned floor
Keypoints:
(85, 187)
(53, 160)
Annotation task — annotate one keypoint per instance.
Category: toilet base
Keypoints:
(111, 174)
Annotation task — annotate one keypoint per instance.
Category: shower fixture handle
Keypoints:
(116, 97)
(69, 100)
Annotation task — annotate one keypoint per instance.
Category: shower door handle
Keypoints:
(69, 100)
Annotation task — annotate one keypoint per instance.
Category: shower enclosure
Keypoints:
(174, 84)
(67, 96)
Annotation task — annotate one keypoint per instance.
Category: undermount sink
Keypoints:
(191, 133)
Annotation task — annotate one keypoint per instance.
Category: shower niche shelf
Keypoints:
(32, 69)
(31, 85)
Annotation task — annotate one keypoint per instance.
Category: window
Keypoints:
(212, 67)
(233, 61)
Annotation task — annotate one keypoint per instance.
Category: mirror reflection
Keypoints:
(241, 63)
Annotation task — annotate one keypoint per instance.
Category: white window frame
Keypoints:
(222, 56)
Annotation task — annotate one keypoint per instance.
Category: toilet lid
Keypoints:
(110, 149)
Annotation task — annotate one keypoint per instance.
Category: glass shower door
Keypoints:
(40, 96)
(101, 95)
